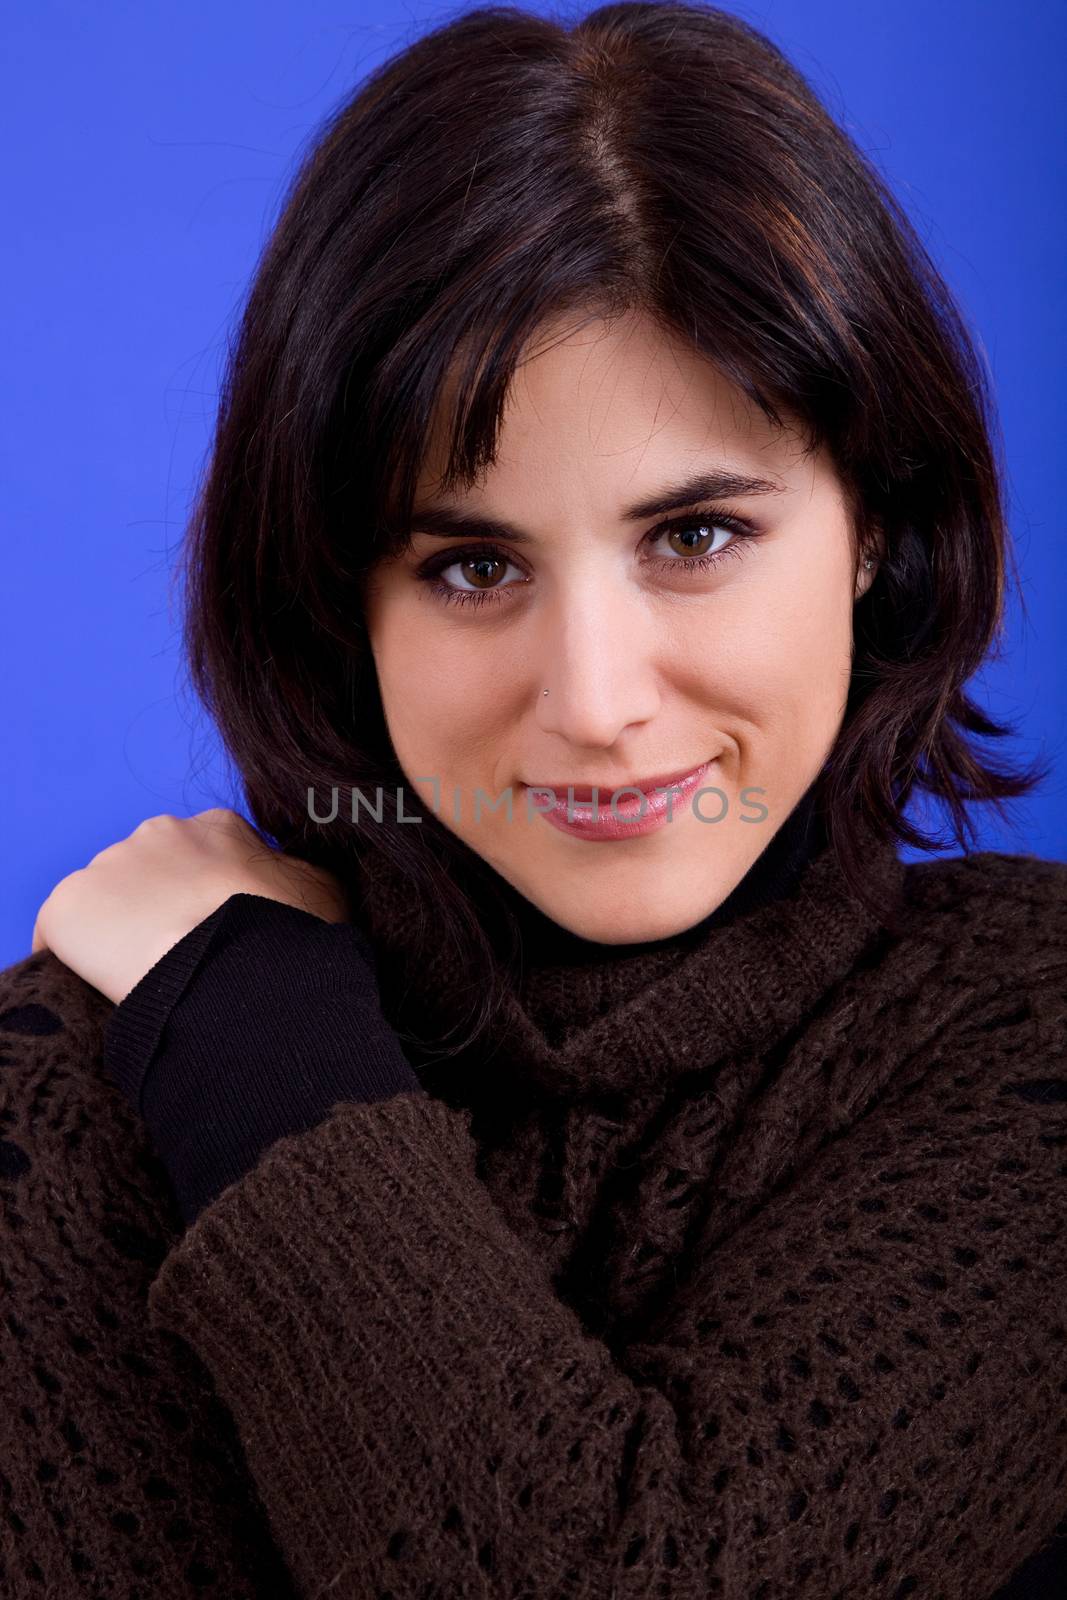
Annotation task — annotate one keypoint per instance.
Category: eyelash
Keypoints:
(740, 527)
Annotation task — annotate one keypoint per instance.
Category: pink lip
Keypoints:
(631, 816)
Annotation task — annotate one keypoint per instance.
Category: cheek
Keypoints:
(813, 672)
(401, 668)
(778, 657)
(441, 699)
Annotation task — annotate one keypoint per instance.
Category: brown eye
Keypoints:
(692, 539)
(692, 546)
(479, 577)
(481, 570)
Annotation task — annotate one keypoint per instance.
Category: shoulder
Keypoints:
(996, 918)
(960, 1011)
(87, 1217)
(64, 1123)
(40, 998)
(980, 1025)
(87, 1208)
(1011, 889)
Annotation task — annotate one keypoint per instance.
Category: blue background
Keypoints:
(147, 149)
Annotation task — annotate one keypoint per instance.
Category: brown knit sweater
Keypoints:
(733, 1268)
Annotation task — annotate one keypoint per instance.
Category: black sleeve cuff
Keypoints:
(253, 1026)
(133, 1029)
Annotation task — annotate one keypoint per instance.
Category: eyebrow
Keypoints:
(448, 522)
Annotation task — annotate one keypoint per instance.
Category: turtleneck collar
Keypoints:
(585, 1018)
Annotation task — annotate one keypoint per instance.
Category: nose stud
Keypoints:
(544, 691)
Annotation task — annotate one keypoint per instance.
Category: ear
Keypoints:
(872, 549)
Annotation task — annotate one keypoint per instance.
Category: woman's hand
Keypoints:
(111, 921)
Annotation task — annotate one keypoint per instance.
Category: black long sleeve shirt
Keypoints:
(263, 1017)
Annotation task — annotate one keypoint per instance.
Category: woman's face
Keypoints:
(655, 665)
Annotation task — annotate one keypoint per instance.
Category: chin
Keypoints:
(617, 907)
(607, 926)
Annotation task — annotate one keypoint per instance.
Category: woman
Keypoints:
(453, 1185)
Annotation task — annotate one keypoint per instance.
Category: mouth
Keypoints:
(584, 791)
(644, 806)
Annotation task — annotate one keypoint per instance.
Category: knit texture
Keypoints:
(292, 1004)
(288, 1001)
(121, 1472)
(735, 1270)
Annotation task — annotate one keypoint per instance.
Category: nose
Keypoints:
(596, 657)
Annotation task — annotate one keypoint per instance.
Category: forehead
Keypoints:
(616, 404)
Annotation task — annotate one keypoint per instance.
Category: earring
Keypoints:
(545, 691)
(868, 563)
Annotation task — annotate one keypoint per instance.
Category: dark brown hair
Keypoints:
(505, 168)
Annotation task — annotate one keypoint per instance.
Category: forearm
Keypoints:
(819, 1399)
